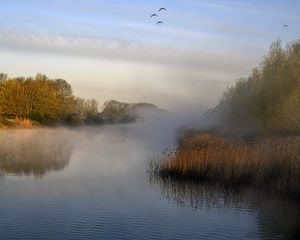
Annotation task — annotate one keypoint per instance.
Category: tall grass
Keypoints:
(272, 162)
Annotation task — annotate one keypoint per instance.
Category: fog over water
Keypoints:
(114, 50)
(92, 182)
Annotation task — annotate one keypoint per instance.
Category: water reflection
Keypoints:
(277, 217)
(33, 152)
(104, 192)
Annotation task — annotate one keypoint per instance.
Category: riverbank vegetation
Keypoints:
(254, 138)
(29, 102)
(41, 100)
(202, 156)
(268, 101)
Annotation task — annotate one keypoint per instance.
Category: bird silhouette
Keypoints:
(285, 25)
(154, 15)
(159, 22)
(161, 9)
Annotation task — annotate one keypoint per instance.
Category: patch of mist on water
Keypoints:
(36, 152)
(121, 147)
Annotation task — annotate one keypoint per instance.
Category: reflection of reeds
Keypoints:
(277, 216)
(204, 156)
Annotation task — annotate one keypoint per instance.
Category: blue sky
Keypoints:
(114, 50)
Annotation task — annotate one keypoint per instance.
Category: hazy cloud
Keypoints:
(173, 78)
(114, 49)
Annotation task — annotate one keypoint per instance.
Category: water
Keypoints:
(92, 183)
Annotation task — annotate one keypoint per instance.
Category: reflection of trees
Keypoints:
(33, 152)
(276, 216)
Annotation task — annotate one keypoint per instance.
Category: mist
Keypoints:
(102, 174)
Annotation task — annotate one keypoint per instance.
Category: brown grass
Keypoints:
(24, 123)
(273, 162)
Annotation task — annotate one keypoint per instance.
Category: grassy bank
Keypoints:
(7, 123)
(256, 131)
(203, 156)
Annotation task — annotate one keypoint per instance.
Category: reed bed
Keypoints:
(271, 162)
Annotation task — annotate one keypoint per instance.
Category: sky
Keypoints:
(112, 49)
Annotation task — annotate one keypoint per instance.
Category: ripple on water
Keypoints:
(93, 189)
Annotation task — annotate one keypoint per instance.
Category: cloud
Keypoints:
(114, 49)
(135, 71)
(170, 76)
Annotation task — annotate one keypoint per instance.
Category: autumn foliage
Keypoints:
(48, 101)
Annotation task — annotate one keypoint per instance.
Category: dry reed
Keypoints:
(24, 123)
(272, 162)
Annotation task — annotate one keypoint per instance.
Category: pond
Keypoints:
(92, 183)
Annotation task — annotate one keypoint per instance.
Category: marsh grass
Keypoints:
(270, 162)
(24, 123)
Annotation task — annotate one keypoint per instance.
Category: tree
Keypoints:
(269, 98)
(45, 100)
(3, 77)
(13, 99)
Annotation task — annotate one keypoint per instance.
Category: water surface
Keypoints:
(92, 183)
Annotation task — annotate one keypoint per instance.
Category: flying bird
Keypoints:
(285, 25)
(159, 22)
(162, 9)
(154, 15)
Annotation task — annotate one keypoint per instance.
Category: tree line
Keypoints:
(51, 102)
(268, 99)
(48, 101)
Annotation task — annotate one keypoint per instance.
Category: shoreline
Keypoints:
(204, 157)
